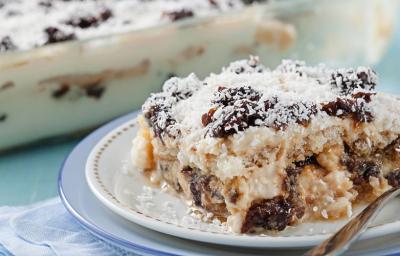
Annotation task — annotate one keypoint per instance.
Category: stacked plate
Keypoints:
(101, 189)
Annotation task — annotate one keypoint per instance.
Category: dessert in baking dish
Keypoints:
(266, 149)
(53, 21)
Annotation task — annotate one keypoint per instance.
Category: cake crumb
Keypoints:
(324, 214)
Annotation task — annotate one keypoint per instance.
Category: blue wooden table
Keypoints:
(31, 175)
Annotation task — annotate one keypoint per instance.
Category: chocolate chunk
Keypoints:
(236, 109)
(310, 160)
(95, 91)
(178, 15)
(213, 3)
(270, 104)
(157, 111)
(343, 108)
(248, 2)
(228, 96)
(347, 80)
(290, 185)
(300, 112)
(361, 115)
(61, 91)
(361, 170)
(54, 35)
(46, 3)
(233, 196)
(394, 178)
(106, 14)
(6, 44)
(7, 85)
(205, 190)
(82, 22)
(208, 117)
(366, 96)
(392, 151)
(179, 89)
(236, 118)
(3, 117)
(90, 21)
(271, 214)
(161, 127)
(156, 103)
(158, 107)
(196, 193)
(340, 107)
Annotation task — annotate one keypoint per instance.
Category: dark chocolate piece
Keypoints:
(90, 21)
(61, 91)
(248, 2)
(299, 112)
(394, 178)
(352, 108)
(290, 185)
(271, 214)
(235, 119)
(173, 88)
(95, 91)
(213, 3)
(347, 80)
(7, 85)
(240, 108)
(228, 96)
(3, 117)
(46, 3)
(158, 114)
(54, 35)
(179, 15)
(6, 44)
(310, 160)
(205, 190)
(361, 170)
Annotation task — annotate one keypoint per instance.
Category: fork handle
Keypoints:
(342, 239)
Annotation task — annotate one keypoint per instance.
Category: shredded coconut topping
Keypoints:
(348, 80)
(246, 94)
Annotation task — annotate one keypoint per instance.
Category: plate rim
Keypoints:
(89, 226)
(194, 235)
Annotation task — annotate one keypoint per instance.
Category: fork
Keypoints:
(342, 239)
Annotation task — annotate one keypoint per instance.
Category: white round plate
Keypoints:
(114, 181)
(93, 216)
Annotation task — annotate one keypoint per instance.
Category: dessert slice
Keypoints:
(265, 149)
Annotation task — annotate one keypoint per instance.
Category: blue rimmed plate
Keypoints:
(99, 220)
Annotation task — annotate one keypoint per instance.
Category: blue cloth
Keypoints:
(45, 229)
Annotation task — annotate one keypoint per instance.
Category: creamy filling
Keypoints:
(321, 186)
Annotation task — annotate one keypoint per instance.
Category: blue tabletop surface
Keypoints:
(30, 175)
